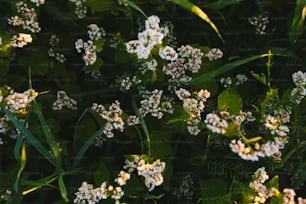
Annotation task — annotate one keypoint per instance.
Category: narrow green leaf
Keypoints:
(252, 140)
(133, 5)
(298, 25)
(17, 147)
(260, 77)
(63, 188)
(23, 160)
(85, 147)
(29, 137)
(199, 12)
(143, 125)
(48, 135)
(225, 68)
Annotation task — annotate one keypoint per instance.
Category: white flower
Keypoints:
(299, 78)
(214, 54)
(21, 40)
(168, 53)
(215, 123)
(64, 101)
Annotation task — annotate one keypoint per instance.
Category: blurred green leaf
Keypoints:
(160, 144)
(101, 5)
(199, 12)
(101, 174)
(219, 4)
(23, 160)
(298, 21)
(4, 67)
(213, 187)
(230, 100)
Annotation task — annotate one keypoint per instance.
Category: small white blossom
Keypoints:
(64, 101)
(21, 40)
(214, 54)
(168, 53)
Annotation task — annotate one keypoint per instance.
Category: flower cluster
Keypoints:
(38, 2)
(54, 49)
(113, 118)
(64, 101)
(154, 104)
(215, 123)
(268, 149)
(263, 192)
(88, 194)
(6, 195)
(152, 172)
(289, 195)
(184, 190)
(188, 59)
(128, 82)
(148, 66)
(214, 54)
(260, 22)
(299, 92)
(90, 48)
(195, 106)
(147, 39)
(239, 80)
(81, 9)
(21, 40)
(18, 102)
(27, 20)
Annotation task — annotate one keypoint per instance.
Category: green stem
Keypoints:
(143, 125)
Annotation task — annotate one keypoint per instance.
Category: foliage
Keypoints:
(152, 101)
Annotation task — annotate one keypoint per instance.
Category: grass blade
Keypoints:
(298, 25)
(23, 161)
(199, 12)
(17, 147)
(48, 135)
(29, 137)
(133, 5)
(84, 148)
(143, 125)
(225, 68)
(63, 188)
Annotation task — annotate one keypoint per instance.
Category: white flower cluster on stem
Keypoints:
(152, 172)
(90, 49)
(154, 104)
(299, 92)
(27, 20)
(113, 118)
(147, 39)
(195, 106)
(81, 9)
(53, 50)
(64, 101)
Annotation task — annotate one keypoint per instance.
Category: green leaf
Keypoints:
(219, 4)
(17, 148)
(131, 4)
(63, 188)
(298, 25)
(101, 174)
(101, 5)
(260, 77)
(230, 100)
(23, 160)
(85, 147)
(224, 68)
(4, 67)
(29, 137)
(213, 187)
(48, 135)
(199, 12)
(160, 144)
